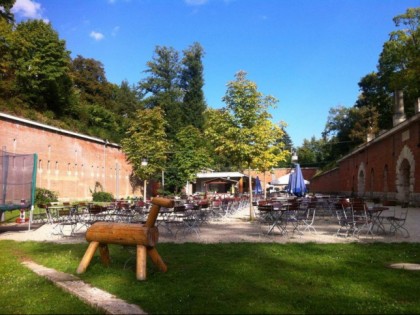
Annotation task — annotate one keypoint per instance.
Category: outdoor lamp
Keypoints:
(144, 164)
(294, 157)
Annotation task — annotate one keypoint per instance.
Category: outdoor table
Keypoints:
(274, 213)
(53, 211)
(70, 218)
(375, 214)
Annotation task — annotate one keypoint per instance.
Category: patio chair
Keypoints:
(344, 217)
(307, 218)
(398, 222)
(361, 219)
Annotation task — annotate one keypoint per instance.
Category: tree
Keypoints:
(90, 81)
(190, 155)
(399, 62)
(376, 99)
(127, 100)
(42, 66)
(192, 82)
(162, 87)
(239, 131)
(6, 10)
(146, 138)
(314, 152)
(7, 72)
(337, 130)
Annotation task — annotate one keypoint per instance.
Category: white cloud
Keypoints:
(28, 9)
(196, 2)
(97, 36)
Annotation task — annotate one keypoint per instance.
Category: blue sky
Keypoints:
(309, 54)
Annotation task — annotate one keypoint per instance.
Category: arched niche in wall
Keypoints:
(361, 180)
(405, 174)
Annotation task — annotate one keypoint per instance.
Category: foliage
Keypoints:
(6, 10)
(191, 155)
(192, 82)
(255, 278)
(314, 152)
(146, 138)
(242, 131)
(376, 99)
(42, 66)
(102, 196)
(162, 87)
(44, 196)
(399, 62)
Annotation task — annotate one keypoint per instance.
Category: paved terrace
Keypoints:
(236, 228)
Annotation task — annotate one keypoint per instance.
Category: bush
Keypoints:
(44, 196)
(102, 196)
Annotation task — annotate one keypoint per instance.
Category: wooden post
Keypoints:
(156, 259)
(104, 252)
(141, 262)
(84, 263)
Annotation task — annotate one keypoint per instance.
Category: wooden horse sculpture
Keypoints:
(144, 237)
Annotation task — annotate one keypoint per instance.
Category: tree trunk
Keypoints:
(251, 206)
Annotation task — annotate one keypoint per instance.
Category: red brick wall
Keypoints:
(381, 160)
(69, 164)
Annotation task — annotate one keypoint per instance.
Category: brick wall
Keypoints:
(387, 167)
(68, 163)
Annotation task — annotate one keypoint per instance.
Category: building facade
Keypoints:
(385, 167)
(71, 164)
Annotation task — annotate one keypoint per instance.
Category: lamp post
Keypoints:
(144, 164)
(294, 156)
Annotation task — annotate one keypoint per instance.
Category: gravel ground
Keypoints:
(236, 228)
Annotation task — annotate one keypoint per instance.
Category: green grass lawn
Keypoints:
(243, 278)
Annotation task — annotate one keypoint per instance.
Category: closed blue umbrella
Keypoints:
(297, 184)
(258, 187)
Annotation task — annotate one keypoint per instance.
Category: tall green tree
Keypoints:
(191, 154)
(239, 131)
(6, 13)
(91, 83)
(192, 82)
(7, 71)
(338, 127)
(42, 66)
(162, 88)
(376, 99)
(127, 100)
(314, 152)
(399, 62)
(146, 139)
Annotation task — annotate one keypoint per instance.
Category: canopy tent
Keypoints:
(17, 182)
(283, 180)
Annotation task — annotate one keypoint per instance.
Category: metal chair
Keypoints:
(344, 216)
(398, 221)
(361, 219)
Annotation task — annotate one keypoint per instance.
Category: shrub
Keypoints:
(101, 196)
(44, 196)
